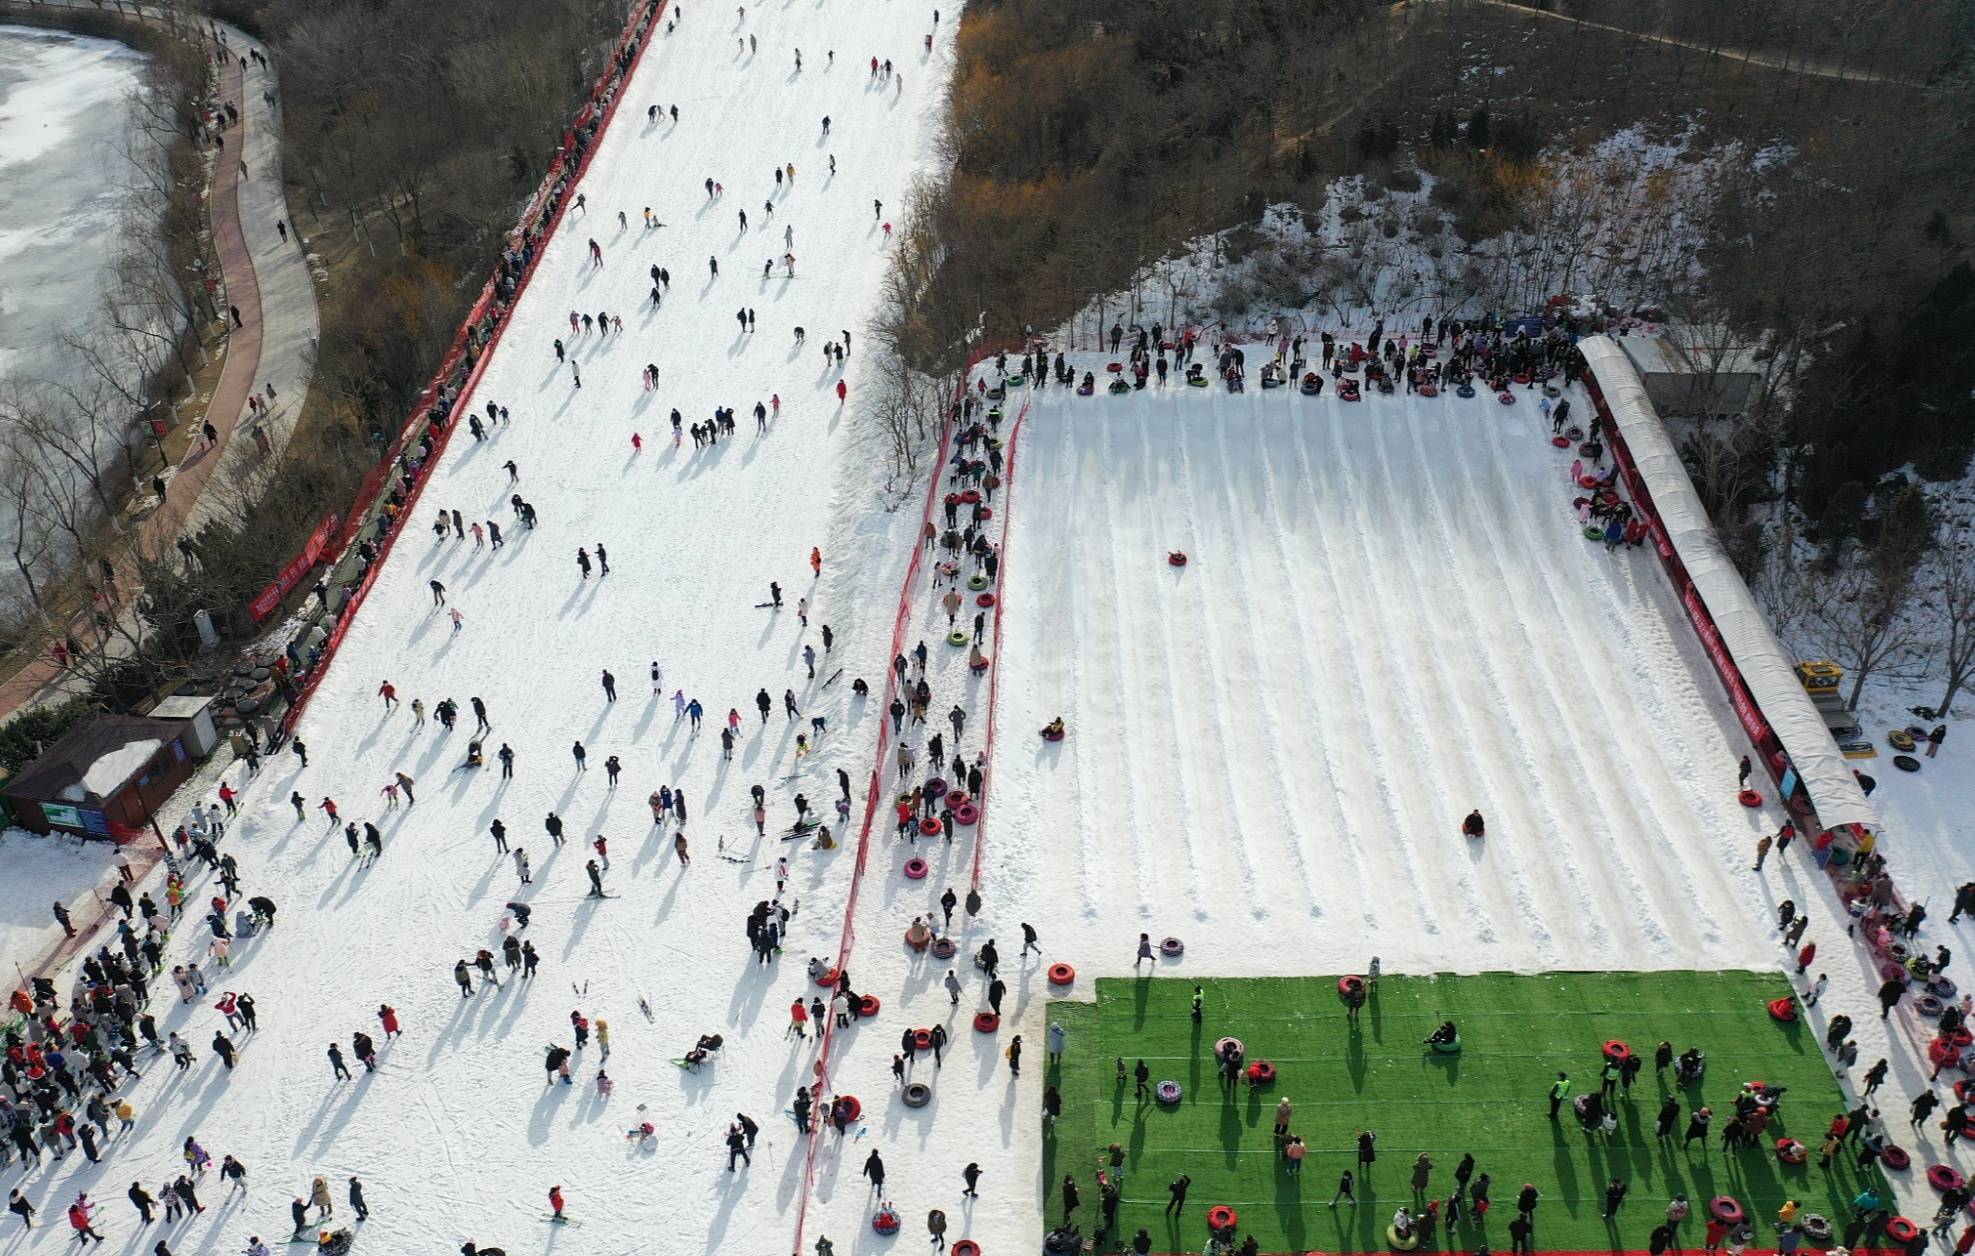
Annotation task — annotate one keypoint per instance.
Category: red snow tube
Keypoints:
(1521, 377)
(1348, 390)
(916, 869)
(1052, 736)
(970, 496)
(1895, 1158)
(931, 827)
(1061, 974)
(1587, 481)
(986, 1022)
(953, 499)
(867, 1005)
(1617, 1052)
(1428, 390)
(1222, 1217)
(1115, 368)
(1261, 1073)
(885, 1221)
(1351, 989)
(1783, 1009)
(922, 1039)
(1962, 1037)
(1177, 558)
(1749, 798)
(854, 1109)
(1943, 1178)
(1902, 1231)
(966, 813)
(984, 601)
(987, 512)
(966, 1247)
(1727, 1210)
(1507, 398)
(1940, 1051)
(1790, 1151)
(1561, 442)
(956, 798)
(828, 978)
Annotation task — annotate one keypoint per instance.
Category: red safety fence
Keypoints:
(564, 172)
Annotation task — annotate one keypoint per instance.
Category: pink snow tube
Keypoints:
(915, 869)
(966, 813)
(1506, 398)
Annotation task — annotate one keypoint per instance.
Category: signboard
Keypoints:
(62, 816)
(291, 575)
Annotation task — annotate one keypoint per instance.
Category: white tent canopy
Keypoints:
(1766, 668)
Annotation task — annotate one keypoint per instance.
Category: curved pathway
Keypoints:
(264, 276)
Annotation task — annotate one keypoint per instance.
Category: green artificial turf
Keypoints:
(1490, 1100)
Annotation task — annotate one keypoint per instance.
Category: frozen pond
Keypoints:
(64, 115)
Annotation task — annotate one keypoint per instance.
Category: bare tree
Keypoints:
(1953, 566)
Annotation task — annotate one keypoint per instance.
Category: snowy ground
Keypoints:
(41, 870)
(456, 1136)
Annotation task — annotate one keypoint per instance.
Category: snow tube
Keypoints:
(956, 798)
(1348, 390)
(854, 1108)
(986, 1022)
(1465, 390)
(1167, 1092)
(969, 496)
(984, 601)
(1052, 736)
(1783, 1009)
(828, 979)
(1816, 1226)
(1942, 988)
(1115, 368)
(1900, 739)
(1085, 390)
(1929, 1006)
(959, 637)
(978, 582)
(885, 1221)
(922, 1040)
(1944, 1178)
(1790, 1151)
(1196, 381)
(1222, 1217)
(917, 946)
(1727, 1210)
(1171, 948)
(1574, 432)
(1906, 763)
(1428, 390)
(1561, 442)
(915, 869)
(952, 499)
(943, 948)
(1587, 481)
(1398, 1244)
(1061, 974)
(1592, 532)
(930, 827)
(1895, 1158)
(1447, 1048)
(1617, 1052)
(1221, 1047)
(966, 1247)
(1261, 1073)
(936, 788)
(1176, 558)
(868, 1005)
(1351, 989)
(1118, 387)
(1902, 1231)
(1521, 377)
(1507, 398)
(1749, 798)
(966, 813)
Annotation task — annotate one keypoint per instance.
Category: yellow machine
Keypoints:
(1821, 679)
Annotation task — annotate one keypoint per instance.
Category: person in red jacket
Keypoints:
(555, 1202)
(388, 1017)
(842, 392)
(1805, 956)
(79, 1219)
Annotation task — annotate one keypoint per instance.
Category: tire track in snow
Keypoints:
(1286, 827)
(1215, 653)
(1609, 786)
(1096, 872)
(1361, 754)
(1482, 725)
(1413, 751)
(1350, 850)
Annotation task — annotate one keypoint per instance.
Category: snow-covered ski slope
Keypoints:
(455, 1136)
(1387, 618)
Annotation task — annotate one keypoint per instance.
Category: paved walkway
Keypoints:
(267, 279)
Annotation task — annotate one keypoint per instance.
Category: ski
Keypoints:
(833, 678)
